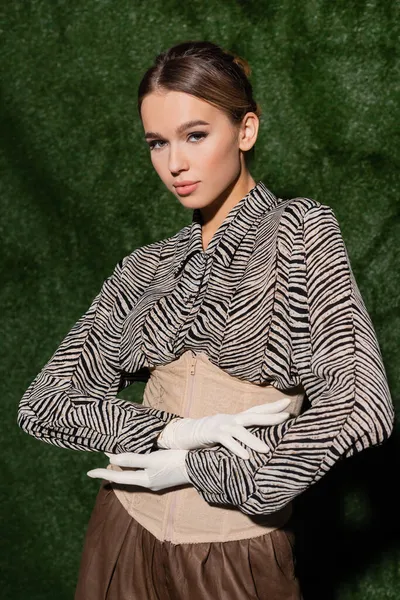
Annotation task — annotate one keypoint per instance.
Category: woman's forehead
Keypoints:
(172, 109)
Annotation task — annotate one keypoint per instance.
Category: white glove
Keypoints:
(189, 434)
(160, 469)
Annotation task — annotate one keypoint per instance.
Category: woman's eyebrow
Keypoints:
(180, 129)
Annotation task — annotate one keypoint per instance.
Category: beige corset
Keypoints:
(192, 386)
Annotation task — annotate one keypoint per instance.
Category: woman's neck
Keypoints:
(214, 214)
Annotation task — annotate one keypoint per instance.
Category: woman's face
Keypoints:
(208, 153)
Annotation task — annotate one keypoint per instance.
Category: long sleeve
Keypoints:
(336, 356)
(72, 401)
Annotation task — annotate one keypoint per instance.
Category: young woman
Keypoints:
(232, 321)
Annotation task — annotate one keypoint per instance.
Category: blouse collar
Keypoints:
(231, 231)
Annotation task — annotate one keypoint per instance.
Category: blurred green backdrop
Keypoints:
(78, 193)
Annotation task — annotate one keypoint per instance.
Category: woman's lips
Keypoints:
(185, 190)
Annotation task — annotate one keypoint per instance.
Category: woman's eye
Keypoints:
(197, 134)
(152, 145)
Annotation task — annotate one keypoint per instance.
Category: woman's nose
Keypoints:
(177, 160)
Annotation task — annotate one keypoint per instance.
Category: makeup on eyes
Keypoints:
(203, 135)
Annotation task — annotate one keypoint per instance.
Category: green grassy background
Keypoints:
(78, 193)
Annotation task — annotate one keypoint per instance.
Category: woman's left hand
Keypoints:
(155, 471)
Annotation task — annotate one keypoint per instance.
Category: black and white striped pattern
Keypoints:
(272, 299)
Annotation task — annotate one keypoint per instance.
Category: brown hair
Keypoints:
(207, 71)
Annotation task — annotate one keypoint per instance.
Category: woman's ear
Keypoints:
(248, 131)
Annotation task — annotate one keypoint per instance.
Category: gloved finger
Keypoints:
(132, 478)
(130, 459)
(233, 446)
(268, 407)
(248, 438)
(261, 419)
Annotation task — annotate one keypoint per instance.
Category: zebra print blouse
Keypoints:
(273, 300)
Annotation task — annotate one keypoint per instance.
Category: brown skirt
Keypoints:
(121, 560)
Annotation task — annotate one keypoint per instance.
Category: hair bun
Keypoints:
(243, 64)
(239, 61)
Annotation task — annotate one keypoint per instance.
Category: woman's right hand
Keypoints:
(224, 429)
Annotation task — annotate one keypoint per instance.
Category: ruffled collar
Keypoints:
(231, 231)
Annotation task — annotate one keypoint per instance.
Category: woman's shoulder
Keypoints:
(301, 204)
(150, 253)
(299, 208)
